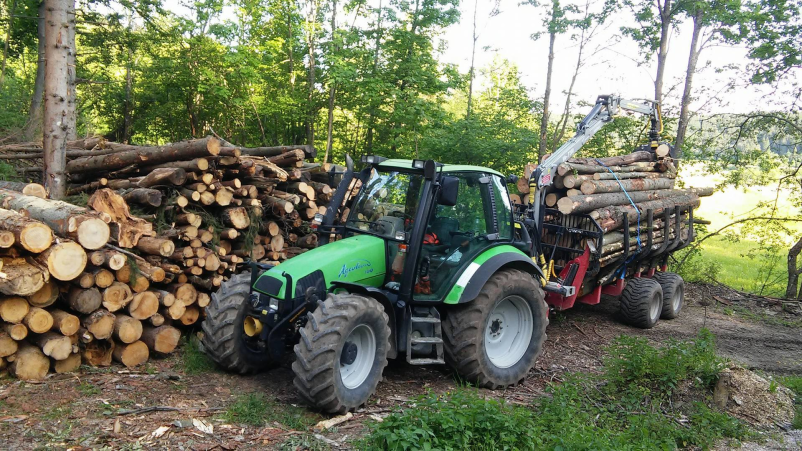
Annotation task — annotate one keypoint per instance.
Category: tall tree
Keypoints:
(775, 39)
(59, 117)
(34, 125)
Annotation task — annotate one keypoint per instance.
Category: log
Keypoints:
(575, 180)
(614, 186)
(277, 150)
(68, 365)
(66, 220)
(125, 229)
(29, 189)
(190, 316)
(98, 353)
(38, 320)
(138, 155)
(17, 332)
(127, 329)
(586, 203)
(156, 246)
(65, 260)
(29, 364)
(162, 339)
(103, 277)
(236, 217)
(54, 345)
(100, 324)
(569, 168)
(84, 300)
(6, 239)
(144, 196)
(551, 199)
(165, 298)
(307, 242)
(46, 295)
(144, 305)
(23, 276)
(156, 319)
(164, 176)
(131, 355)
(13, 309)
(612, 217)
(117, 296)
(175, 311)
(632, 175)
(279, 206)
(224, 197)
(193, 165)
(85, 280)
(622, 160)
(8, 345)
(31, 234)
(114, 260)
(203, 299)
(97, 258)
(184, 293)
(65, 323)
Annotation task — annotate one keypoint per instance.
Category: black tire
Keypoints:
(465, 326)
(223, 333)
(642, 302)
(673, 293)
(319, 351)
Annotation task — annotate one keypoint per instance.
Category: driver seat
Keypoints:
(442, 227)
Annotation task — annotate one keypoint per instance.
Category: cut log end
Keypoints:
(131, 355)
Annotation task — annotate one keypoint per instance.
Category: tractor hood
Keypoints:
(358, 259)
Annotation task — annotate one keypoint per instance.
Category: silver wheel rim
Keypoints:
(354, 374)
(654, 309)
(676, 300)
(508, 331)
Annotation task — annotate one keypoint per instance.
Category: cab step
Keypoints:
(431, 333)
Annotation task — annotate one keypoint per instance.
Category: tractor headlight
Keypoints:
(273, 304)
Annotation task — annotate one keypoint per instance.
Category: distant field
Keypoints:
(743, 265)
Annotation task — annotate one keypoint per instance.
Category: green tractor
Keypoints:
(430, 267)
(434, 263)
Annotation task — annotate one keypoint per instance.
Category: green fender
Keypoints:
(486, 264)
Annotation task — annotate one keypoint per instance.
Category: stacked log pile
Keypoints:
(606, 189)
(163, 227)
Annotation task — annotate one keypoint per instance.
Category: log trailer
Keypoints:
(436, 265)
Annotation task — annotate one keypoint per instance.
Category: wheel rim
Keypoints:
(654, 309)
(676, 300)
(354, 371)
(508, 331)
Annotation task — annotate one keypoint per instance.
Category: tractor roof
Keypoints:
(407, 164)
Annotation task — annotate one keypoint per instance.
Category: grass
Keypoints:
(193, 359)
(88, 389)
(794, 383)
(256, 410)
(630, 406)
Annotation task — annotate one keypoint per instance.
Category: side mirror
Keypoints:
(449, 187)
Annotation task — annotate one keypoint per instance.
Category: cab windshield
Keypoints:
(386, 205)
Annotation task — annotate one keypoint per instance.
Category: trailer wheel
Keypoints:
(642, 302)
(342, 352)
(673, 293)
(494, 341)
(224, 339)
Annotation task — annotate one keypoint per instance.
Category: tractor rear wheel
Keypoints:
(642, 302)
(673, 293)
(342, 352)
(494, 340)
(224, 338)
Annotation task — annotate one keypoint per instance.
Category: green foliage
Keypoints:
(194, 360)
(88, 389)
(633, 365)
(794, 383)
(583, 412)
(8, 173)
(255, 409)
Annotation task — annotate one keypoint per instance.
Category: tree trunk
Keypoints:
(614, 186)
(33, 128)
(65, 323)
(586, 203)
(664, 7)
(693, 59)
(568, 168)
(84, 300)
(17, 332)
(131, 355)
(65, 260)
(8, 38)
(29, 189)
(544, 120)
(29, 364)
(38, 320)
(117, 296)
(127, 329)
(473, 61)
(163, 339)
(100, 324)
(143, 196)
(59, 105)
(144, 305)
(793, 271)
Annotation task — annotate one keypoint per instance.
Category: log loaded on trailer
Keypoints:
(434, 263)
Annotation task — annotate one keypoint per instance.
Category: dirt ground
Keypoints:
(154, 408)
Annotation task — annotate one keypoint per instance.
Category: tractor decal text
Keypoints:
(348, 268)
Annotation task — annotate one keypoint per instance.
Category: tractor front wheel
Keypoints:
(494, 340)
(342, 352)
(224, 337)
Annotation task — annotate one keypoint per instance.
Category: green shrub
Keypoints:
(257, 410)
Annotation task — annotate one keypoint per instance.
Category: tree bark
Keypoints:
(475, 38)
(138, 155)
(65, 323)
(100, 324)
(693, 59)
(31, 234)
(59, 117)
(8, 38)
(544, 119)
(614, 186)
(131, 355)
(127, 329)
(664, 7)
(23, 277)
(34, 126)
(54, 345)
(163, 339)
(83, 300)
(29, 189)
(46, 295)
(65, 260)
(586, 203)
(143, 196)
(29, 364)
(568, 168)
(793, 271)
